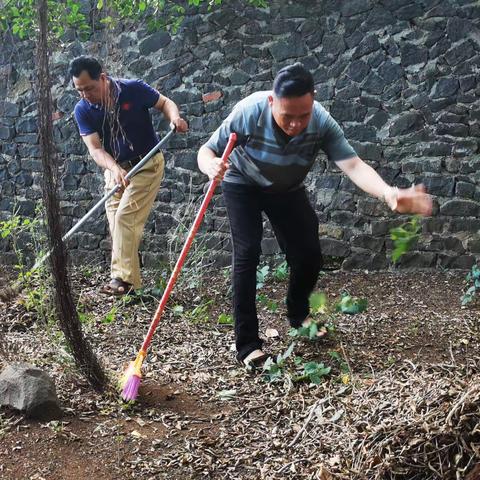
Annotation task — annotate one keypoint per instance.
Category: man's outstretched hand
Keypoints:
(414, 200)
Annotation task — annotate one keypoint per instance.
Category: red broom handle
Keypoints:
(183, 254)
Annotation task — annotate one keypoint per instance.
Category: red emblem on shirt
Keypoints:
(126, 106)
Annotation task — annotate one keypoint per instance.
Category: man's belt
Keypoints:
(130, 163)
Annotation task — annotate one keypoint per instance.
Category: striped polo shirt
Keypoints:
(264, 157)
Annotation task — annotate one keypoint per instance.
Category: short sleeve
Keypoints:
(232, 124)
(81, 117)
(334, 144)
(145, 94)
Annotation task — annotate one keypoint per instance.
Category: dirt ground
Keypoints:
(404, 391)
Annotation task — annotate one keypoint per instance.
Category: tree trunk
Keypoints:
(66, 312)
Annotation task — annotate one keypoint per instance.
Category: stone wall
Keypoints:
(401, 77)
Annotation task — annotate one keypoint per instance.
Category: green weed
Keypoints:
(351, 305)
(404, 237)
(271, 305)
(273, 370)
(281, 272)
(310, 371)
(200, 314)
(473, 279)
(262, 274)
(225, 319)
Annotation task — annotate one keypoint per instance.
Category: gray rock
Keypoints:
(347, 111)
(460, 208)
(154, 42)
(368, 242)
(457, 28)
(406, 123)
(462, 262)
(362, 133)
(294, 47)
(334, 248)
(8, 109)
(6, 133)
(445, 87)
(439, 185)
(368, 45)
(413, 54)
(390, 71)
(27, 125)
(460, 53)
(358, 70)
(29, 389)
(418, 260)
(333, 44)
(409, 12)
(374, 84)
(365, 260)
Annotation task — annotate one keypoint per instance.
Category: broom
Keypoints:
(133, 375)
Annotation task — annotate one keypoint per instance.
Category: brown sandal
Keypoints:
(117, 287)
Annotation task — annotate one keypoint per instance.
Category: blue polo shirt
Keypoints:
(126, 131)
(266, 158)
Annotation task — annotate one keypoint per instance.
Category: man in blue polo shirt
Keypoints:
(280, 133)
(114, 122)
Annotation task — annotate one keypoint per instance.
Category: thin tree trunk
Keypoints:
(66, 312)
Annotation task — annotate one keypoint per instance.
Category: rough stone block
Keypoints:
(461, 262)
(412, 54)
(154, 42)
(9, 109)
(361, 260)
(334, 248)
(406, 123)
(418, 260)
(460, 208)
(368, 45)
(29, 389)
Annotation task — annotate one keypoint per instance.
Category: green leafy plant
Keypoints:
(273, 370)
(309, 332)
(320, 315)
(262, 274)
(318, 302)
(473, 280)
(200, 314)
(26, 236)
(178, 310)
(225, 319)
(110, 316)
(84, 316)
(280, 272)
(351, 305)
(310, 371)
(270, 304)
(404, 237)
(20, 15)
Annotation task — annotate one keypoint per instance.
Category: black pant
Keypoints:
(296, 227)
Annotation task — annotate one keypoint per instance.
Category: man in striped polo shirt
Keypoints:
(280, 133)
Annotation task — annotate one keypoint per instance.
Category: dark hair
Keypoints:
(293, 81)
(88, 64)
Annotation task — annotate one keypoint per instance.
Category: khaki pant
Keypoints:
(127, 212)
